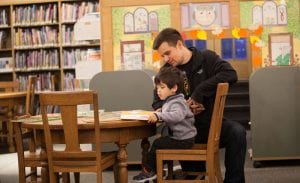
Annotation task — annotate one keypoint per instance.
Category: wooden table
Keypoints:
(116, 131)
(10, 100)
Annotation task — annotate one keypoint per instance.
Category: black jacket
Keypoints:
(203, 71)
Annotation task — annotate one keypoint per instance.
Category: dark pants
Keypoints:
(233, 139)
(165, 143)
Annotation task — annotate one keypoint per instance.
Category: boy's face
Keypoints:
(163, 91)
(173, 55)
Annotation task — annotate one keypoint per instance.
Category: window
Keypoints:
(199, 44)
(234, 49)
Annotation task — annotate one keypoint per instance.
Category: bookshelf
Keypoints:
(37, 38)
(73, 51)
(5, 44)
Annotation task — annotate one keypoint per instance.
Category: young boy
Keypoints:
(176, 115)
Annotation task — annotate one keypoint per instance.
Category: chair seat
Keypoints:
(33, 156)
(83, 161)
(186, 154)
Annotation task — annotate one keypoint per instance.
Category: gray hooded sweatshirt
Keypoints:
(178, 117)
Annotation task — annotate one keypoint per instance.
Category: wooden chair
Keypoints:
(72, 158)
(6, 130)
(32, 157)
(200, 152)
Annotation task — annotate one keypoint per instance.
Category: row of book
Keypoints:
(37, 59)
(5, 64)
(68, 36)
(3, 17)
(69, 80)
(35, 14)
(43, 83)
(74, 11)
(28, 37)
(4, 39)
(72, 56)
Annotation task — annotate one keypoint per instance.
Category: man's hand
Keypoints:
(196, 107)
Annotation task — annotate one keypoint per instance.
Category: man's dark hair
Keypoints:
(169, 35)
(170, 76)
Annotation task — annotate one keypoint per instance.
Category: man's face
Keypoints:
(173, 55)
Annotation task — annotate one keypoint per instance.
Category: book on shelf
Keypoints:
(135, 115)
(6, 64)
(93, 54)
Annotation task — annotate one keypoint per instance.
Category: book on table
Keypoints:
(135, 115)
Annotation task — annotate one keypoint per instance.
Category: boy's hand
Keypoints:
(152, 118)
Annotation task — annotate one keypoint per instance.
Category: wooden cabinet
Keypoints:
(37, 38)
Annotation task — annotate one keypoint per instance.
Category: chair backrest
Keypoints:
(67, 103)
(9, 86)
(30, 95)
(124, 90)
(216, 119)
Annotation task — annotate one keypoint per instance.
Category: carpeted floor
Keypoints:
(271, 172)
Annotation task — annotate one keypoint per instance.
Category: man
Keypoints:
(203, 71)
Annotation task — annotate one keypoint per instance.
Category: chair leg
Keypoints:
(33, 176)
(11, 147)
(99, 177)
(210, 168)
(4, 132)
(218, 169)
(159, 168)
(77, 177)
(170, 169)
(65, 177)
(54, 178)
(20, 151)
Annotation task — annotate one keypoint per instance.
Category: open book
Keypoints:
(136, 115)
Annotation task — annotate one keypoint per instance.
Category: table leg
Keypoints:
(122, 164)
(145, 144)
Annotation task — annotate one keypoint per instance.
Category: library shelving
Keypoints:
(37, 38)
(6, 70)
(74, 51)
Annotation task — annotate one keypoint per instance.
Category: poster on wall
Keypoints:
(132, 55)
(204, 15)
(281, 48)
(132, 34)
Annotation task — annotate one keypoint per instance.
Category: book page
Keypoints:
(136, 115)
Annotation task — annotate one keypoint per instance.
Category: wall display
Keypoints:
(281, 49)
(132, 29)
(278, 23)
(269, 13)
(204, 15)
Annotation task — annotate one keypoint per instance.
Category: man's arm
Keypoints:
(217, 71)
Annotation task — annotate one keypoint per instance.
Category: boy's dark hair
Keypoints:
(169, 35)
(170, 76)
